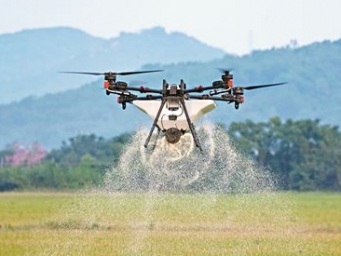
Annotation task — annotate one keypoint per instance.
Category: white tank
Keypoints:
(173, 115)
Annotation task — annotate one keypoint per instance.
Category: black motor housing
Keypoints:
(173, 135)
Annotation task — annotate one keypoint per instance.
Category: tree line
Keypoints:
(304, 155)
(81, 162)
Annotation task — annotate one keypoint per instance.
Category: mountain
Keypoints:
(56, 117)
(313, 91)
(30, 59)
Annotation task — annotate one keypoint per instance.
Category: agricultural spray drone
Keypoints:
(174, 108)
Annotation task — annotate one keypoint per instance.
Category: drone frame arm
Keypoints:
(216, 92)
(118, 92)
(149, 97)
(208, 97)
(136, 89)
(201, 88)
(133, 96)
(143, 89)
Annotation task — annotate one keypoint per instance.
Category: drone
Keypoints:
(174, 108)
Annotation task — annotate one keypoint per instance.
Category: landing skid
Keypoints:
(157, 137)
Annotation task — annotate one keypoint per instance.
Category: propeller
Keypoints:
(252, 87)
(226, 77)
(225, 70)
(111, 73)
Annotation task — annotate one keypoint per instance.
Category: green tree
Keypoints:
(304, 154)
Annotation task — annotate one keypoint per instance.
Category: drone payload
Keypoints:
(172, 118)
(174, 108)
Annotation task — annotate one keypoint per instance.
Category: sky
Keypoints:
(236, 26)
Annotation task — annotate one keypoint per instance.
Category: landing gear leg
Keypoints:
(191, 126)
(157, 137)
(154, 123)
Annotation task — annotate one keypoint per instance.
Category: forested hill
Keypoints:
(313, 74)
(313, 91)
(30, 59)
(54, 118)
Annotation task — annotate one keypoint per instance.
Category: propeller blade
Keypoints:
(252, 87)
(82, 73)
(112, 73)
(225, 70)
(137, 72)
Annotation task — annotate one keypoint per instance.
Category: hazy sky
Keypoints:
(235, 26)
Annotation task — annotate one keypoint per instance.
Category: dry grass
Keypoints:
(170, 224)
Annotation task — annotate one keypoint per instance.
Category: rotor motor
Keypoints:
(238, 92)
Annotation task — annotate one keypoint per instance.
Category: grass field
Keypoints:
(170, 224)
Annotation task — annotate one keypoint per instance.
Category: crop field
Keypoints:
(99, 223)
